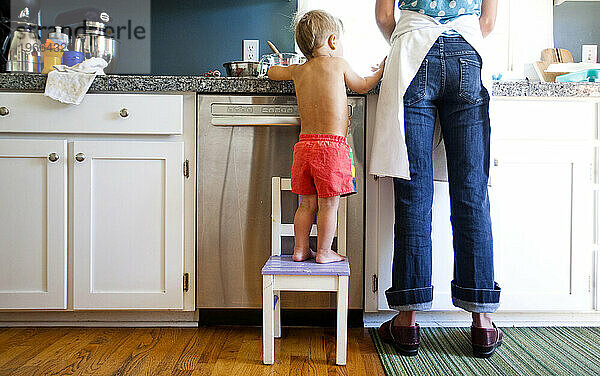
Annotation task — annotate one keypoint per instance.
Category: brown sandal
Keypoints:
(485, 341)
(405, 339)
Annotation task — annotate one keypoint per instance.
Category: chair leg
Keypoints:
(268, 324)
(342, 320)
(277, 329)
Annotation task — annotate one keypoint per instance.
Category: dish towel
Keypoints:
(70, 84)
(412, 38)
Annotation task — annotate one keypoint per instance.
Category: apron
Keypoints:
(411, 40)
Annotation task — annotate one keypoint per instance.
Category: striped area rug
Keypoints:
(524, 351)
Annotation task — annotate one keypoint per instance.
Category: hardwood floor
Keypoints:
(227, 351)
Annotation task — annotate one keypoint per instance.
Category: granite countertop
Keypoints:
(224, 85)
(546, 89)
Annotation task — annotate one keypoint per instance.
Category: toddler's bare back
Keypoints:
(321, 94)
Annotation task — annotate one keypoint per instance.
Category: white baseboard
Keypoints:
(101, 324)
(100, 319)
(504, 319)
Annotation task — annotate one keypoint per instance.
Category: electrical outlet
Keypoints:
(250, 49)
(589, 53)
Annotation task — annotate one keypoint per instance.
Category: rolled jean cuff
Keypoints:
(476, 300)
(417, 299)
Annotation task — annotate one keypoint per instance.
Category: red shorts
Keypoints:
(322, 165)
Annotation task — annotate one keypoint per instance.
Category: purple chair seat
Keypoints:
(284, 265)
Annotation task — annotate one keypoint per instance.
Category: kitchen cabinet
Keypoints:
(542, 206)
(127, 225)
(109, 225)
(33, 214)
(543, 193)
(542, 199)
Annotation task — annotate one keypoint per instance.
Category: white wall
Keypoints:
(523, 29)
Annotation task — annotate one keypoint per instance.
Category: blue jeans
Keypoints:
(448, 83)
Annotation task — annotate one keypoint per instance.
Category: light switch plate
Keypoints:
(589, 53)
(250, 49)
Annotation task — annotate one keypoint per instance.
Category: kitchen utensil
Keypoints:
(557, 55)
(24, 54)
(571, 67)
(541, 67)
(24, 51)
(244, 69)
(52, 53)
(71, 58)
(587, 75)
(273, 48)
(284, 59)
(92, 39)
(58, 37)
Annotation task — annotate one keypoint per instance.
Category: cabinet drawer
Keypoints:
(98, 113)
(542, 119)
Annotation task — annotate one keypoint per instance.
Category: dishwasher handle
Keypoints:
(255, 121)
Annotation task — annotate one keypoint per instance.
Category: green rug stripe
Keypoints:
(567, 334)
(524, 351)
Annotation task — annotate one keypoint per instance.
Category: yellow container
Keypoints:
(52, 54)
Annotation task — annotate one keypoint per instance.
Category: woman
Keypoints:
(434, 70)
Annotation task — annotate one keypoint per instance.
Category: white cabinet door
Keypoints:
(542, 217)
(127, 225)
(33, 226)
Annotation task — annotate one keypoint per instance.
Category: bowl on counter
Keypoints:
(245, 69)
(284, 59)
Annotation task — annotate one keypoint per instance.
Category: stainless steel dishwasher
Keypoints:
(242, 142)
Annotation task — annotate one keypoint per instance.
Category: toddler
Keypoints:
(321, 170)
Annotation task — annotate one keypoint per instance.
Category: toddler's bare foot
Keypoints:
(324, 257)
(303, 254)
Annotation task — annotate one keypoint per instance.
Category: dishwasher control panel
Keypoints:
(228, 109)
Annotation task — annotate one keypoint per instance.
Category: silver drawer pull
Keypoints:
(124, 112)
(495, 162)
(4, 111)
(80, 157)
(53, 157)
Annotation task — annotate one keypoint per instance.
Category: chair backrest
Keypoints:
(279, 229)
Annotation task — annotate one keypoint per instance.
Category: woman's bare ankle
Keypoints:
(405, 318)
(482, 320)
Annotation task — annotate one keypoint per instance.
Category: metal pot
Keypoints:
(24, 53)
(93, 39)
(244, 69)
(94, 42)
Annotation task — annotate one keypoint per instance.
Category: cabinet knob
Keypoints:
(53, 157)
(80, 157)
(124, 112)
(4, 111)
(495, 162)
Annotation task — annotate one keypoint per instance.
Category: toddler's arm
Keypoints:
(279, 73)
(362, 84)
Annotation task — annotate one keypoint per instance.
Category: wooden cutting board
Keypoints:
(541, 66)
(557, 55)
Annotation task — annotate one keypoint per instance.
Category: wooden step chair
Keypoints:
(281, 273)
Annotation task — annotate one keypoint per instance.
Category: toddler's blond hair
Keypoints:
(313, 28)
